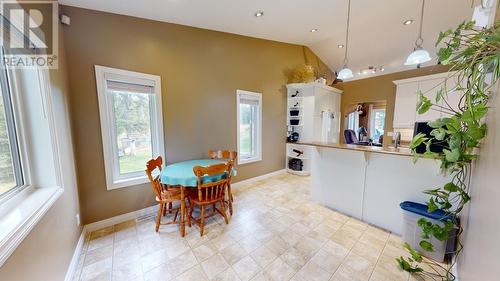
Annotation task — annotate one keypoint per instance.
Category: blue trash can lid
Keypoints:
(421, 209)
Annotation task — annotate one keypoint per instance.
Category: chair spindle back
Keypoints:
(211, 191)
(151, 166)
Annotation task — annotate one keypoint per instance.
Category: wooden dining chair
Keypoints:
(164, 196)
(209, 193)
(231, 156)
(223, 154)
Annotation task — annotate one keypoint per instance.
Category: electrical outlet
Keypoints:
(77, 219)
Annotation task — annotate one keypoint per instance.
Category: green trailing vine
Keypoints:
(474, 59)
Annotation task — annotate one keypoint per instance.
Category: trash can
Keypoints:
(412, 232)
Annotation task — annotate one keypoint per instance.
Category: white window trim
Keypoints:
(258, 97)
(112, 181)
(23, 208)
(372, 120)
(355, 121)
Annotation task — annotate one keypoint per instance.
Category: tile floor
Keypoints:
(276, 233)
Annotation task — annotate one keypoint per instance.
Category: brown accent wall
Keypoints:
(46, 252)
(200, 71)
(377, 89)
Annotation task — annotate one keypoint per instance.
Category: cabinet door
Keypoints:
(404, 108)
(336, 102)
(323, 101)
(430, 88)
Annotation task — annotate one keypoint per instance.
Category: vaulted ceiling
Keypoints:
(377, 35)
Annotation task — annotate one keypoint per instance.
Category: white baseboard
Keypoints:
(135, 215)
(121, 218)
(98, 225)
(76, 256)
(254, 179)
(152, 209)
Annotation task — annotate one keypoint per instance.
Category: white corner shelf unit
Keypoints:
(313, 111)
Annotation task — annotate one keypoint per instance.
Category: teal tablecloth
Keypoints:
(181, 173)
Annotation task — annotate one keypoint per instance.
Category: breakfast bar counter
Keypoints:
(368, 182)
(365, 148)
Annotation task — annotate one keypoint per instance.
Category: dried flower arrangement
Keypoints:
(302, 74)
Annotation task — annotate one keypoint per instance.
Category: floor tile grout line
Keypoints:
(276, 195)
(350, 250)
(378, 258)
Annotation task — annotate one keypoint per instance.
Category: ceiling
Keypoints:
(377, 34)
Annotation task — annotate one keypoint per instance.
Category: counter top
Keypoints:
(364, 148)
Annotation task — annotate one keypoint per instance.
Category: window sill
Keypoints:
(248, 160)
(21, 213)
(127, 182)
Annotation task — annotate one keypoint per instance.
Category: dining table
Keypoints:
(181, 175)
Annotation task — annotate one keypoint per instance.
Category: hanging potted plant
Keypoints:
(474, 59)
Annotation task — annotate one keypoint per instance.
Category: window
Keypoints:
(32, 148)
(131, 123)
(353, 121)
(378, 123)
(33, 145)
(249, 127)
(10, 165)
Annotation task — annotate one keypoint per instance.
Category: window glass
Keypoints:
(247, 130)
(249, 106)
(10, 167)
(353, 121)
(378, 124)
(132, 124)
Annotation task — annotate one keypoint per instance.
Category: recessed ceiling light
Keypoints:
(314, 30)
(340, 46)
(258, 14)
(408, 22)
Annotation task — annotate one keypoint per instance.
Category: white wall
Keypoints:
(481, 256)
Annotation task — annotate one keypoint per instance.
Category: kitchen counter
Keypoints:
(369, 182)
(365, 148)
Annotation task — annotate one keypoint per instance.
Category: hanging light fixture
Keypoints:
(419, 54)
(346, 72)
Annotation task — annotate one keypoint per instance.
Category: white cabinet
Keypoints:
(310, 109)
(326, 102)
(404, 108)
(429, 88)
(312, 99)
(302, 152)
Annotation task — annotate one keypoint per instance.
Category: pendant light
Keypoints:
(346, 72)
(419, 54)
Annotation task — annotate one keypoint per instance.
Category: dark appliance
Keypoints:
(294, 112)
(436, 146)
(293, 137)
(295, 164)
